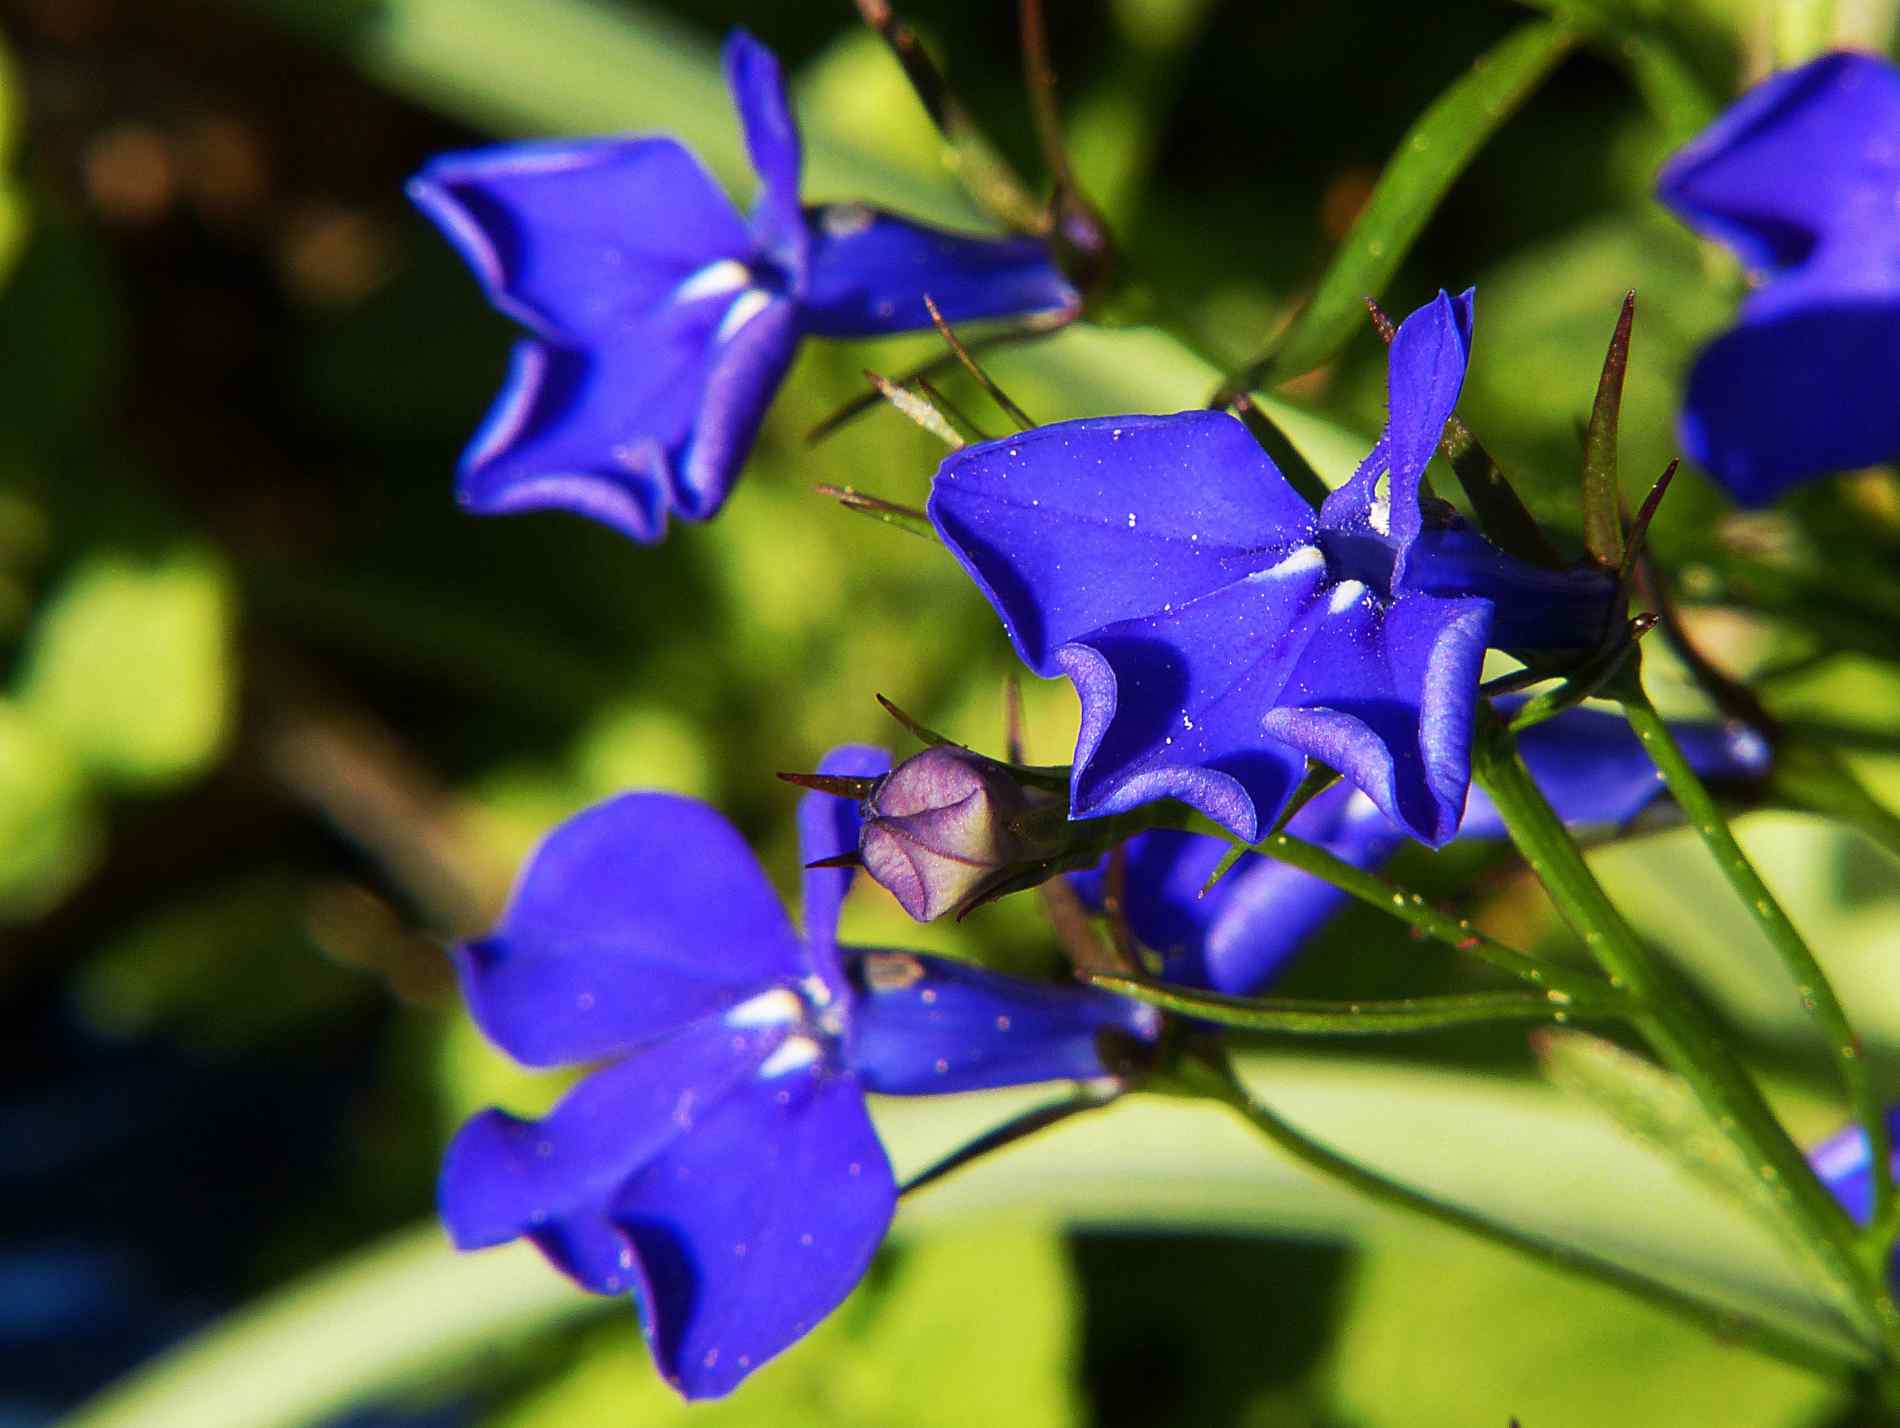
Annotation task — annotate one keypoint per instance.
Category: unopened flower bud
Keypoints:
(946, 823)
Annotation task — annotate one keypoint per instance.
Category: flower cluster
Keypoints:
(1219, 633)
(723, 1166)
(1227, 639)
(1802, 179)
(663, 321)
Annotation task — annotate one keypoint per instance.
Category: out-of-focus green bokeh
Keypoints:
(277, 719)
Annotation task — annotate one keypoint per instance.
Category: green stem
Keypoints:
(1371, 1018)
(1217, 1081)
(1682, 1034)
(1817, 994)
(1412, 908)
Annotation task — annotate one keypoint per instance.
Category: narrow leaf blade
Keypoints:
(1428, 161)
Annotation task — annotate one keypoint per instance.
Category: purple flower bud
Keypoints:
(944, 824)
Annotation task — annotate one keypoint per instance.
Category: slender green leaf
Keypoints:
(1416, 179)
(1370, 1018)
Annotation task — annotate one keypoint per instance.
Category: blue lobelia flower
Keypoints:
(1237, 938)
(1217, 630)
(1802, 179)
(663, 320)
(722, 1166)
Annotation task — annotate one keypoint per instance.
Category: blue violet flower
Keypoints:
(1802, 179)
(1236, 939)
(662, 320)
(1218, 631)
(722, 1166)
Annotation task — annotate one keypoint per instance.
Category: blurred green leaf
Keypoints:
(1652, 1104)
(1545, 317)
(1674, 895)
(1415, 180)
(1437, 1332)
(1669, 50)
(410, 1305)
(130, 666)
(13, 210)
(900, 1350)
(224, 968)
(49, 826)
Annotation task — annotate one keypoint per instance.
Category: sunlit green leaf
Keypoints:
(1652, 1104)
(901, 1350)
(1438, 1332)
(1674, 894)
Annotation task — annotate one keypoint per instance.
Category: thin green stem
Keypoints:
(1217, 1081)
(1682, 1034)
(1413, 909)
(1817, 994)
(1370, 1018)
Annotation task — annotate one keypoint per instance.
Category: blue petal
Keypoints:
(1172, 703)
(1806, 161)
(1425, 371)
(663, 416)
(559, 437)
(1594, 771)
(1386, 694)
(1846, 1169)
(771, 137)
(554, 1180)
(871, 270)
(577, 238)
(1159, 563)
(634, 918)
(744, 377)
(828, 826)
(756, 1226)
(1237, 938)
(1533, 608)
(923, 1025)
(1074, 526)
(1796, 394)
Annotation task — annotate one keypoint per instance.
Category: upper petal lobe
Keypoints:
(634, 918)
(576, 238)
(1075, 526)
